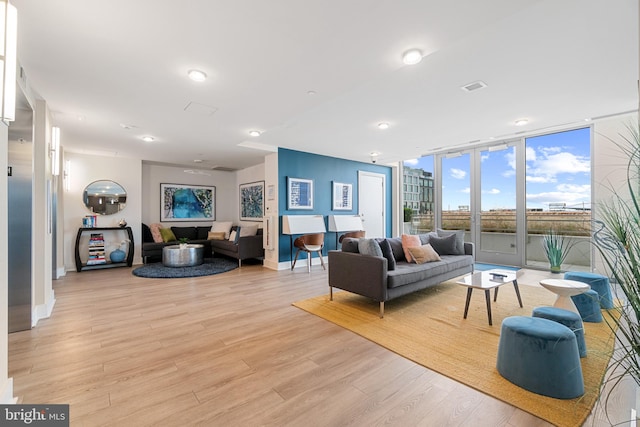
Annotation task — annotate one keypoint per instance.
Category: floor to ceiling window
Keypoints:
(506, 196)
(558, 188)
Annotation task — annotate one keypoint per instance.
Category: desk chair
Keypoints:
(309, 243)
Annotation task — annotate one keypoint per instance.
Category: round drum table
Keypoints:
(182, 255)
(565, 289)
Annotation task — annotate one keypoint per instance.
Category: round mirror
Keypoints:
(104, 197)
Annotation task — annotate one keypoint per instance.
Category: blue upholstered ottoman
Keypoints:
(588, 305)
(569, 319)
(598, 283)
(541, 356)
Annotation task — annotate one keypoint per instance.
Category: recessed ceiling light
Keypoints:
(311, 92)
(521, 122)
(254, 133)
(412, 56)
(147, 138)
(383, 125)
(374, 154)
(197, 75)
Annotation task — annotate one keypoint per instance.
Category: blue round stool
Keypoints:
(569, 319)
(588, 305)
(541, 356)
(598, 283)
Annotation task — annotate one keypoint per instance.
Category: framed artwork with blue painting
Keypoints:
(252, 201)
(179, 202)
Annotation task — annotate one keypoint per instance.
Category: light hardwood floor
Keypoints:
(228, 350)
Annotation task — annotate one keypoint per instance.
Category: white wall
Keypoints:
(43, 298)
(271, 209)
(609, 165)
(84, 170)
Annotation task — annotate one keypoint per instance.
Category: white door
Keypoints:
(371, 203)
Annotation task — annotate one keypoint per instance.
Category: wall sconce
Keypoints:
(8, 62)
(55, 151)
(67, 175)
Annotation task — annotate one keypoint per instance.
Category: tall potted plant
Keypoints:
(617, 237)
(556, 247)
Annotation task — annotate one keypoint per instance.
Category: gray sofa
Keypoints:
(369, 275)
(243, 248)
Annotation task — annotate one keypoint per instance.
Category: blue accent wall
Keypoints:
(323, 170)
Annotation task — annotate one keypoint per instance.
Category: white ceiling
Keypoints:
(125, 62)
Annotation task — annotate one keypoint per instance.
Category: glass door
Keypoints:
(496, 207)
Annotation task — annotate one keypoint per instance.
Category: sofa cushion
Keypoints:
(202, 233)
(248, 230)
(424, 253)
(350, 244)
(188, 233)
(215, 235)
(155, 232)
(387, 252)
(409, 241)
(222, 226)
(167, 235)
(406, 273)
(459, 250)
(147, 237)
(444, 245)
(396, 248)
(425, 237)
(369, 247)
(234, 236)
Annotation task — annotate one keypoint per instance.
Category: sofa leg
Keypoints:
(381, 309)
(330, 293)
(239, 262)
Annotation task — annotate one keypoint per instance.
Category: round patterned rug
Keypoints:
(210, 266)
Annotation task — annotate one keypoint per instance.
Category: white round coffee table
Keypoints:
(565, 289)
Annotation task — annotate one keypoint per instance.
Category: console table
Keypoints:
(128, 262)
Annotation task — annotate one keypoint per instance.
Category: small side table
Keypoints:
(565, 289)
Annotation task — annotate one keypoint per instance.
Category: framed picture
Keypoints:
(299, 193)
(252, 201)
(180, 202)
(342, 196)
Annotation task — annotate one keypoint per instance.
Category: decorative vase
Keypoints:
(555, 269)
(122, 223)
(117, 255)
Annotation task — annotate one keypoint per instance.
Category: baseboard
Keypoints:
(302, 263)
(43, 311)
(6, 394)
(60, 272)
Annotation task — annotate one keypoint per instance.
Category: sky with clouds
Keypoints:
(558, 171)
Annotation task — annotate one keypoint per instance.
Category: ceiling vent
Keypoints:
(474, 86)
(223, 169)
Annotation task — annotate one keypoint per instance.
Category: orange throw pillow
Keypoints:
(410, 241)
